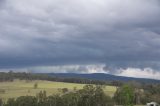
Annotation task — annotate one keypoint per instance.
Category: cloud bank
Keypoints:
(119, 35)
(94, 68)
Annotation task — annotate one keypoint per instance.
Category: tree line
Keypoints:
(10, 76)
(90, 95)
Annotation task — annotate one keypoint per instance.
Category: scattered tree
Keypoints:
(35, 85)
(90, 95)
(74, 88)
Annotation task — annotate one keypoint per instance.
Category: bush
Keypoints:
(35, 85)
(65, 90)
(2, 91)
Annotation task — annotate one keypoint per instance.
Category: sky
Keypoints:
(81, 36)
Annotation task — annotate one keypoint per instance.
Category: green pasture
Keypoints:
(22, 88)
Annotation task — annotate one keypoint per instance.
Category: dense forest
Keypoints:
(127, 94)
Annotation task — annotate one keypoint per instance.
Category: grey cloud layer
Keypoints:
(59, 32)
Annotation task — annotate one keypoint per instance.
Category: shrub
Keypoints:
(2, 91)
(64, 90)
(35, 85)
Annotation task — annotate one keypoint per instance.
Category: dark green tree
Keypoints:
(26, 101)
(1, 103)
(42, 98)
(124, 96)
(92, 95)
(11, 102)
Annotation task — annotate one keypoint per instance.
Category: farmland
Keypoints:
(22, 88)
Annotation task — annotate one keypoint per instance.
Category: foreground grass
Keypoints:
(22, 88)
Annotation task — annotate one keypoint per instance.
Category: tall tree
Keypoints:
(125, 96)
(1, 102)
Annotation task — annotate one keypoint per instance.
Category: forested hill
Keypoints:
(102, 76)
(96, 78)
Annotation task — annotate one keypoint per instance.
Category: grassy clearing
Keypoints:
(22, 88)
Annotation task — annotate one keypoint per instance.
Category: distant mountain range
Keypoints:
(102, 76)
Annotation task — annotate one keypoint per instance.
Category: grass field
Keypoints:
(22, 88)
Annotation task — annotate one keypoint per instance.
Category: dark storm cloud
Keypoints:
(58, 32)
